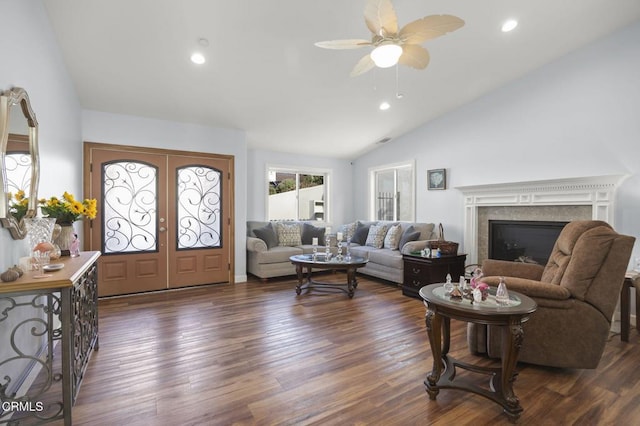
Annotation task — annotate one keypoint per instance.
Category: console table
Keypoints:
(48, 330)
(420, 271)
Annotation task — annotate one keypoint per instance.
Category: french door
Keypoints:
(165, 218)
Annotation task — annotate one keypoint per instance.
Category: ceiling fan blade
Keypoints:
(414, 56)
(354, 43)
(363, 65)
(380, 17)
(429, 27)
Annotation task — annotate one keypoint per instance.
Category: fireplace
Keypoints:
(523, 240)
(560, 200)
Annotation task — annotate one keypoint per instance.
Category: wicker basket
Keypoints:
(446, 247)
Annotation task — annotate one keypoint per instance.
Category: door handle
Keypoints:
(162, 229)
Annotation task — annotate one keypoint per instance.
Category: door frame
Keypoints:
(86, 186)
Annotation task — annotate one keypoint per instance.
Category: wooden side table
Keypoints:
(420, 271)
(631, 279)
(441, 309)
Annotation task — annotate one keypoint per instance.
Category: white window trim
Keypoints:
(372, 185)
(300, 169)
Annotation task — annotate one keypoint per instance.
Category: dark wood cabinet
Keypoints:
(420, 271)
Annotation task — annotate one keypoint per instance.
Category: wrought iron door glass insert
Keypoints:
(199, 207)
(130, 207)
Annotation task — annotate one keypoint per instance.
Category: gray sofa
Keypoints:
(270, 261)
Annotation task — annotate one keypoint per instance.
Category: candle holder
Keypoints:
(347, 257)
(339, 256)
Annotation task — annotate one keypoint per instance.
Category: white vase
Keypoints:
(65, 238)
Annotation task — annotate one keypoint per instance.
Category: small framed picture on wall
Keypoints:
(437, 179)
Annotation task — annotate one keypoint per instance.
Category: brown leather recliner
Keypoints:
(576, 292)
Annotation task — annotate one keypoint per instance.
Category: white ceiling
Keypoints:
(264, 75)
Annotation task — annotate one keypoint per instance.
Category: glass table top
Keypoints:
(321, 259)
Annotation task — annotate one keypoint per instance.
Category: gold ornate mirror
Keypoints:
(19, 161)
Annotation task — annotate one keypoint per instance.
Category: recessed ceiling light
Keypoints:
(384, 106)
(198, 58)
(509, 25)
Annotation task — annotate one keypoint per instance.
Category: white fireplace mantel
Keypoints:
(595, 191)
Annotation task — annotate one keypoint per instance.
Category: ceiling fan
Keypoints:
(390, 45)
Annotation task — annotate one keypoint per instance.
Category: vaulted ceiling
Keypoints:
(264, 75)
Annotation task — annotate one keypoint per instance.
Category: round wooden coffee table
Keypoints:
(306, 261)
(441, 308)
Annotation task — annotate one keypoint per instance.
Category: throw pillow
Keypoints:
(392, 239)
(407, 237)
(348, 230)
(408, 230)
(309, 232)
(360, 236)
(289, 234)
(268, 235)
(376, 235)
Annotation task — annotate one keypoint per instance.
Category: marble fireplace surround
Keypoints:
(550, 200)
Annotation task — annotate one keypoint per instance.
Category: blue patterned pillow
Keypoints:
(392, 239)
(376, 236)
(348, 230)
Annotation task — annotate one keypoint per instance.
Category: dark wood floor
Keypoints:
(255, 353)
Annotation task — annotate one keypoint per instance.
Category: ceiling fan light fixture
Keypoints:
(386, 55)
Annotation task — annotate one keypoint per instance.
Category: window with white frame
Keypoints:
(392, 194)
(297, 194)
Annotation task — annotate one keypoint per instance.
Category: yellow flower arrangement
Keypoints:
(67, 209)
(18, 204)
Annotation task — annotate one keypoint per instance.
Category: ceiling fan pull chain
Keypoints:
(399, 95)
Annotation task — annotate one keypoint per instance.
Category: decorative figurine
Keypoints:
(74, 247)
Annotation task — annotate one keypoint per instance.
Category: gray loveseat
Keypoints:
(267, 259)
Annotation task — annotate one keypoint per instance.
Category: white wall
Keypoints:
(102, 127)
(340, 185)
(577, 116)
(31, 59)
